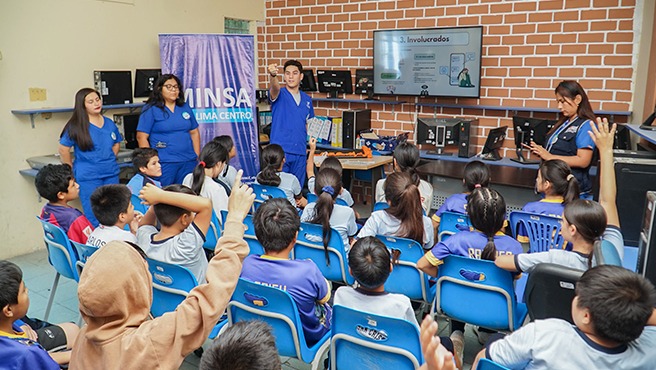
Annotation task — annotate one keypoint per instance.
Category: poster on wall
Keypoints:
(218, 77)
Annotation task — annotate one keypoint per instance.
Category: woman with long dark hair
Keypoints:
(95, 140)
(168, 124)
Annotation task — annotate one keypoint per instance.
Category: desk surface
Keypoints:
(500, 174)
(358, 163)
(645, 134)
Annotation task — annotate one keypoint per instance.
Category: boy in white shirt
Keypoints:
(112, 207)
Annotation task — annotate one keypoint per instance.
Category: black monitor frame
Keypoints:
(308, 84)
(493, 143)
(527, 129)
(334, 82)
(144, 81)
(364, 82)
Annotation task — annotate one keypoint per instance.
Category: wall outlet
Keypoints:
(37, 94)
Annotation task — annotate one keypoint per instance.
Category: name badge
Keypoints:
(186, 115)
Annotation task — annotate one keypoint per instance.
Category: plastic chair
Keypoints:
(550, 291)
(479, 293)
(312, 198)
(543, 231)
(309, 245)
(138, 206)
(61, 256)
(605, 253)
(451, 223)
(265, 192)
(255, 247)
(379, 342)
(380, 206)
(485, 364)
(84, 251)
(213, 233)
(406, 278)
(276, 307)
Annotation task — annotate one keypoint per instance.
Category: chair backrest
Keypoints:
(605, 253)
(543, 231)
(312, 198)
(479, 293)
(171, 284)
(485, 364)
(309, 245)
(379, 342)
(138, 206)
(265, 192)
(255, 247)
(451, 223)
(550, 290)
(84, 251)
(406, 278)
(60, 251)
(213, 233)
(380, 206)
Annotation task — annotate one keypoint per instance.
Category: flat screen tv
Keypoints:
(443, 62)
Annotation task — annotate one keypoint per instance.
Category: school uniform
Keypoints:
(105, 234)
(471, 244)
(345, 195)
(550, 207)
(212, 191)
(138, 181)
(17, 351)
(342, 219)
(425, 192)
(456, 203)
(229, 178)
(377, 303)
(382, 223)
(567, 140)
(290, 185)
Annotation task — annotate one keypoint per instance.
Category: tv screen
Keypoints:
(334, 82)
(428, 62)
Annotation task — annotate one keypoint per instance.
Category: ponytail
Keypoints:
(563, 183)
(198, 178)
(573, 191)
(212, 154)
(272, 158)
(407, 159)
(327, 185)
(405, 205)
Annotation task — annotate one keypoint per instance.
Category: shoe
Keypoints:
(458, 339)
(482, 336)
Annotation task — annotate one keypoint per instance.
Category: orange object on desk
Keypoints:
(366, 153)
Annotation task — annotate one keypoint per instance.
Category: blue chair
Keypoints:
(312, 198)
(406, 278)
(138, 206)
(543, 231)
(485, 364)
(213, 233)
(375, 342)
(451, 223)
(255, 247)
(61, 256)
(84, 251)
(252, 301)
(479, 293)
(309, 245)
(606, 254)
(379, 206)
(264, 193)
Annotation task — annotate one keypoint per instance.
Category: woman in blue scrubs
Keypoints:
(168, 124)
(95, 140)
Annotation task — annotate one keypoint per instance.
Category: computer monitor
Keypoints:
(527, 129)
(307, 82)
(364, 82)
(493, 143)
(438, 132)
(144, 81)
(335, 82)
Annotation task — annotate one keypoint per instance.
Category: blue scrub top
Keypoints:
(288, 121)
(169, 131)
(100, 161)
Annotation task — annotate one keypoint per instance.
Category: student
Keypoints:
(95, 139)
(276, 227)
(184, 218)
(227, 176)
(272, 161)
(328, 214)
(404, 216)
(244, 345)
(614, 320)
(406, 159)
(213, 159)
(21, 347)
(115, 294)
(290, 110)
(583, 221)
(328, 162)
(112, 207)
(55, 182)
(146, 163)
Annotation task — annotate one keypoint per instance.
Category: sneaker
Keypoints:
(483, 336)
(458, 339)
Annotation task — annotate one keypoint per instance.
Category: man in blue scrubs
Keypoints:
(290, 110)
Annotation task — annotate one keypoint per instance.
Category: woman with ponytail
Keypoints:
(272, 160)
(328, 185)
(213, 159)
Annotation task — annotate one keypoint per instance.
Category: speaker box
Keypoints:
(127, 123)
(647, 246)
(114, 86)
(353, 122)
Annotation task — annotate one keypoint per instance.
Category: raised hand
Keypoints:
(241, 199)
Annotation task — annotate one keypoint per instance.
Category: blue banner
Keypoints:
(218, 76)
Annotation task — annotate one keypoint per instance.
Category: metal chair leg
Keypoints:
(52, 296)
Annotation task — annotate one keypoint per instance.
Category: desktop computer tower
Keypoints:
(115, 87)
(353, 122)
(127, 124)
(647, 245)
(465, 132)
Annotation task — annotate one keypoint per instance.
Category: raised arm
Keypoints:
(274, 84)
(603, 136)
(152, 195)
(310, 161)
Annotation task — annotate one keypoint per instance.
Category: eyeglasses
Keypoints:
(172, 87)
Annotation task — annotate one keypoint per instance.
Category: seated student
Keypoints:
(272, 160)
(227, 176)
(328, 162)
(184, 218)
(584, 221)
(146, 163)
(112, 207)
(404, 216)
(244, 345)
(276, 227)
(614, 318)
(213, 158)
(55, 182)
(119, 333)
(328, 214)
(406, 159)
(21, 347)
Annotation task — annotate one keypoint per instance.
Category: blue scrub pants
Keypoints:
(175, 172)
(296, 164)
(86, 189)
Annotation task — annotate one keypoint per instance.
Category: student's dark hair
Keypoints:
(109, 201)
(486, 209)
(332, 162)
(211, 154)
(245, 345)
(270, 161)
(476, 174)
(327, 186)
(620, 302)
(52, 179)
(225, 141)
(141, 157)
(78, 125)
(570, 89)
(156, 98)
(589, 218)
(10, 279)
(405, 205)
(295, 63)
(369, 260)
(167, 214)
(563, 182)
(276, 223)
(407, 159)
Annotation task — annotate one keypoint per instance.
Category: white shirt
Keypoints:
(212, 191)
(342, 220)
(229, 178)
(290, 185)
(382, 223)
(383, 304)
(425, 192)
(105, 234)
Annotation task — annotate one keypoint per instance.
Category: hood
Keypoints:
(115, 291)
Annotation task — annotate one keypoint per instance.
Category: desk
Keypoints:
(645, 134)
(501, 175)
